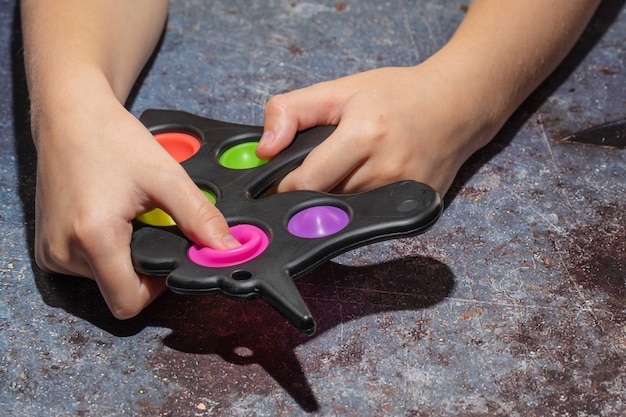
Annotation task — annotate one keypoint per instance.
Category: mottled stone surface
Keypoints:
(514, 304)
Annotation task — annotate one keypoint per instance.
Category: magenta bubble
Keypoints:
(253, 242)
(319, 221)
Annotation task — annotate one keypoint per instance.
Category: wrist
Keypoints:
(470, 105)
(61, 101)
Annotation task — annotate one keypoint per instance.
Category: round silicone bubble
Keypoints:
(318, 221)
(241, 156)
(253, 242)
(180, 145)
(157, 217)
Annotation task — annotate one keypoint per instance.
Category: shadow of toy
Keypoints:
(251, 332)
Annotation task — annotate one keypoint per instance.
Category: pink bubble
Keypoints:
(253, 242)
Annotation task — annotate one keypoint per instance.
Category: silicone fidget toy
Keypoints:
(282, 236)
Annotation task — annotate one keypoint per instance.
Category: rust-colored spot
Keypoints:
(606, 70)
(601, 262)
(473, 312)
(295, 49)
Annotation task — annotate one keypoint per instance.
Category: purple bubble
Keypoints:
(319, 221)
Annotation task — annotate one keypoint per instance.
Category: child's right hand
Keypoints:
(98, 168)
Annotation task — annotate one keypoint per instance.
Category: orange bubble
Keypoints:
(180, 145)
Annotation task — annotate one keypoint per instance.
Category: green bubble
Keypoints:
(241, 156)
(210, 196)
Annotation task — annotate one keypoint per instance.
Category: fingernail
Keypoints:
(230, 242)
(266, 139)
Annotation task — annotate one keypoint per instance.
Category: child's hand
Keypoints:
(423, 122)
(392, 124)
(98, 168)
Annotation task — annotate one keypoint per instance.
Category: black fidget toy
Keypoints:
(282, 236)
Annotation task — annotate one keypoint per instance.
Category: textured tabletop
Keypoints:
(513, 304)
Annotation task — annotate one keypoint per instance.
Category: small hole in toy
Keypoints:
(319, 221)
(241, 275)
(407, 205)
(243, 352)
(180, 145)
(241, 156)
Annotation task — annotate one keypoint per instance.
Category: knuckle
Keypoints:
(42, 260)
(301, 179)
(86, 231)
(395, 170)
(50, 255)
(125, 311)
(373, 129)
(209, 215)
(392, 172)
(276, 104)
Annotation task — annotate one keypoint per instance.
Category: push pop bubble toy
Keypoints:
(282, 236)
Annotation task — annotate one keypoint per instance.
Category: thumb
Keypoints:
(286, 114)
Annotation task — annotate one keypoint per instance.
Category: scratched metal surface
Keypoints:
(513, 304)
